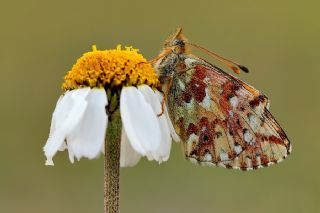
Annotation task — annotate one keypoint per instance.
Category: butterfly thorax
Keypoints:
(169, 65)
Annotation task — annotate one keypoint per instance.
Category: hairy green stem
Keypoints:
(112, 164)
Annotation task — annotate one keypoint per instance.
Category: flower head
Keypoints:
(110, 68)
(97, 85)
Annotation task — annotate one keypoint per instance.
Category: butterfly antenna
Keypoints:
(234, 66)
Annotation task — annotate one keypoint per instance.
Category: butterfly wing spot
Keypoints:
(191, 143)
(253, 121)
(206, 102)
(224, 156)
(189, 62)
(248, 138)
(189, 105)
(207, 157)
(258, 161)
(234, 101)
(238, 149)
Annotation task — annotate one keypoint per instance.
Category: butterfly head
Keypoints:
(177, 42)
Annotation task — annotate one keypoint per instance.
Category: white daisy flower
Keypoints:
(98, 84)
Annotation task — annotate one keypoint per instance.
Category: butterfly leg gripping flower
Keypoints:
(110, 105)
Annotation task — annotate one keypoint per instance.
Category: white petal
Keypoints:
(173, 133)
(128, 156)
(56, 138)
(165, 145)
(71, 155)
(68, 112)
(151, 98)
(87, 138)
(139, 121)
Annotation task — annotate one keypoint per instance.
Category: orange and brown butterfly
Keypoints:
(220, 119)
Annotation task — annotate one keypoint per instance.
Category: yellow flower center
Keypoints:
(110, 68)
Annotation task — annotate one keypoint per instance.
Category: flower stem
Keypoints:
(112, 164)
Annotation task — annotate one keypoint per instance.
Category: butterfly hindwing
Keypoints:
(222, 120)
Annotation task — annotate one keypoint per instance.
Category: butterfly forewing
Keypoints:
(222, 120)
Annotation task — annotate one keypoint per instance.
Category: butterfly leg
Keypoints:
(154, 60)
(165, 95)
(162, 55)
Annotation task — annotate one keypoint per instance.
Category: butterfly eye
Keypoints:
(178, 42)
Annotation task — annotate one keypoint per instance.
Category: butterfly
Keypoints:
(221, 120)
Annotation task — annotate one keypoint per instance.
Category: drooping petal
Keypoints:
(87, 138)
(128, 156)
(173, 133)
(71, 155)
(139, 121)
(165, 145)
(63, 107)
(68, 112)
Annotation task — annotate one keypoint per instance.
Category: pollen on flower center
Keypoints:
(109, 68)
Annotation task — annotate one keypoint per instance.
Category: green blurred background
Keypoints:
(40, 41)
